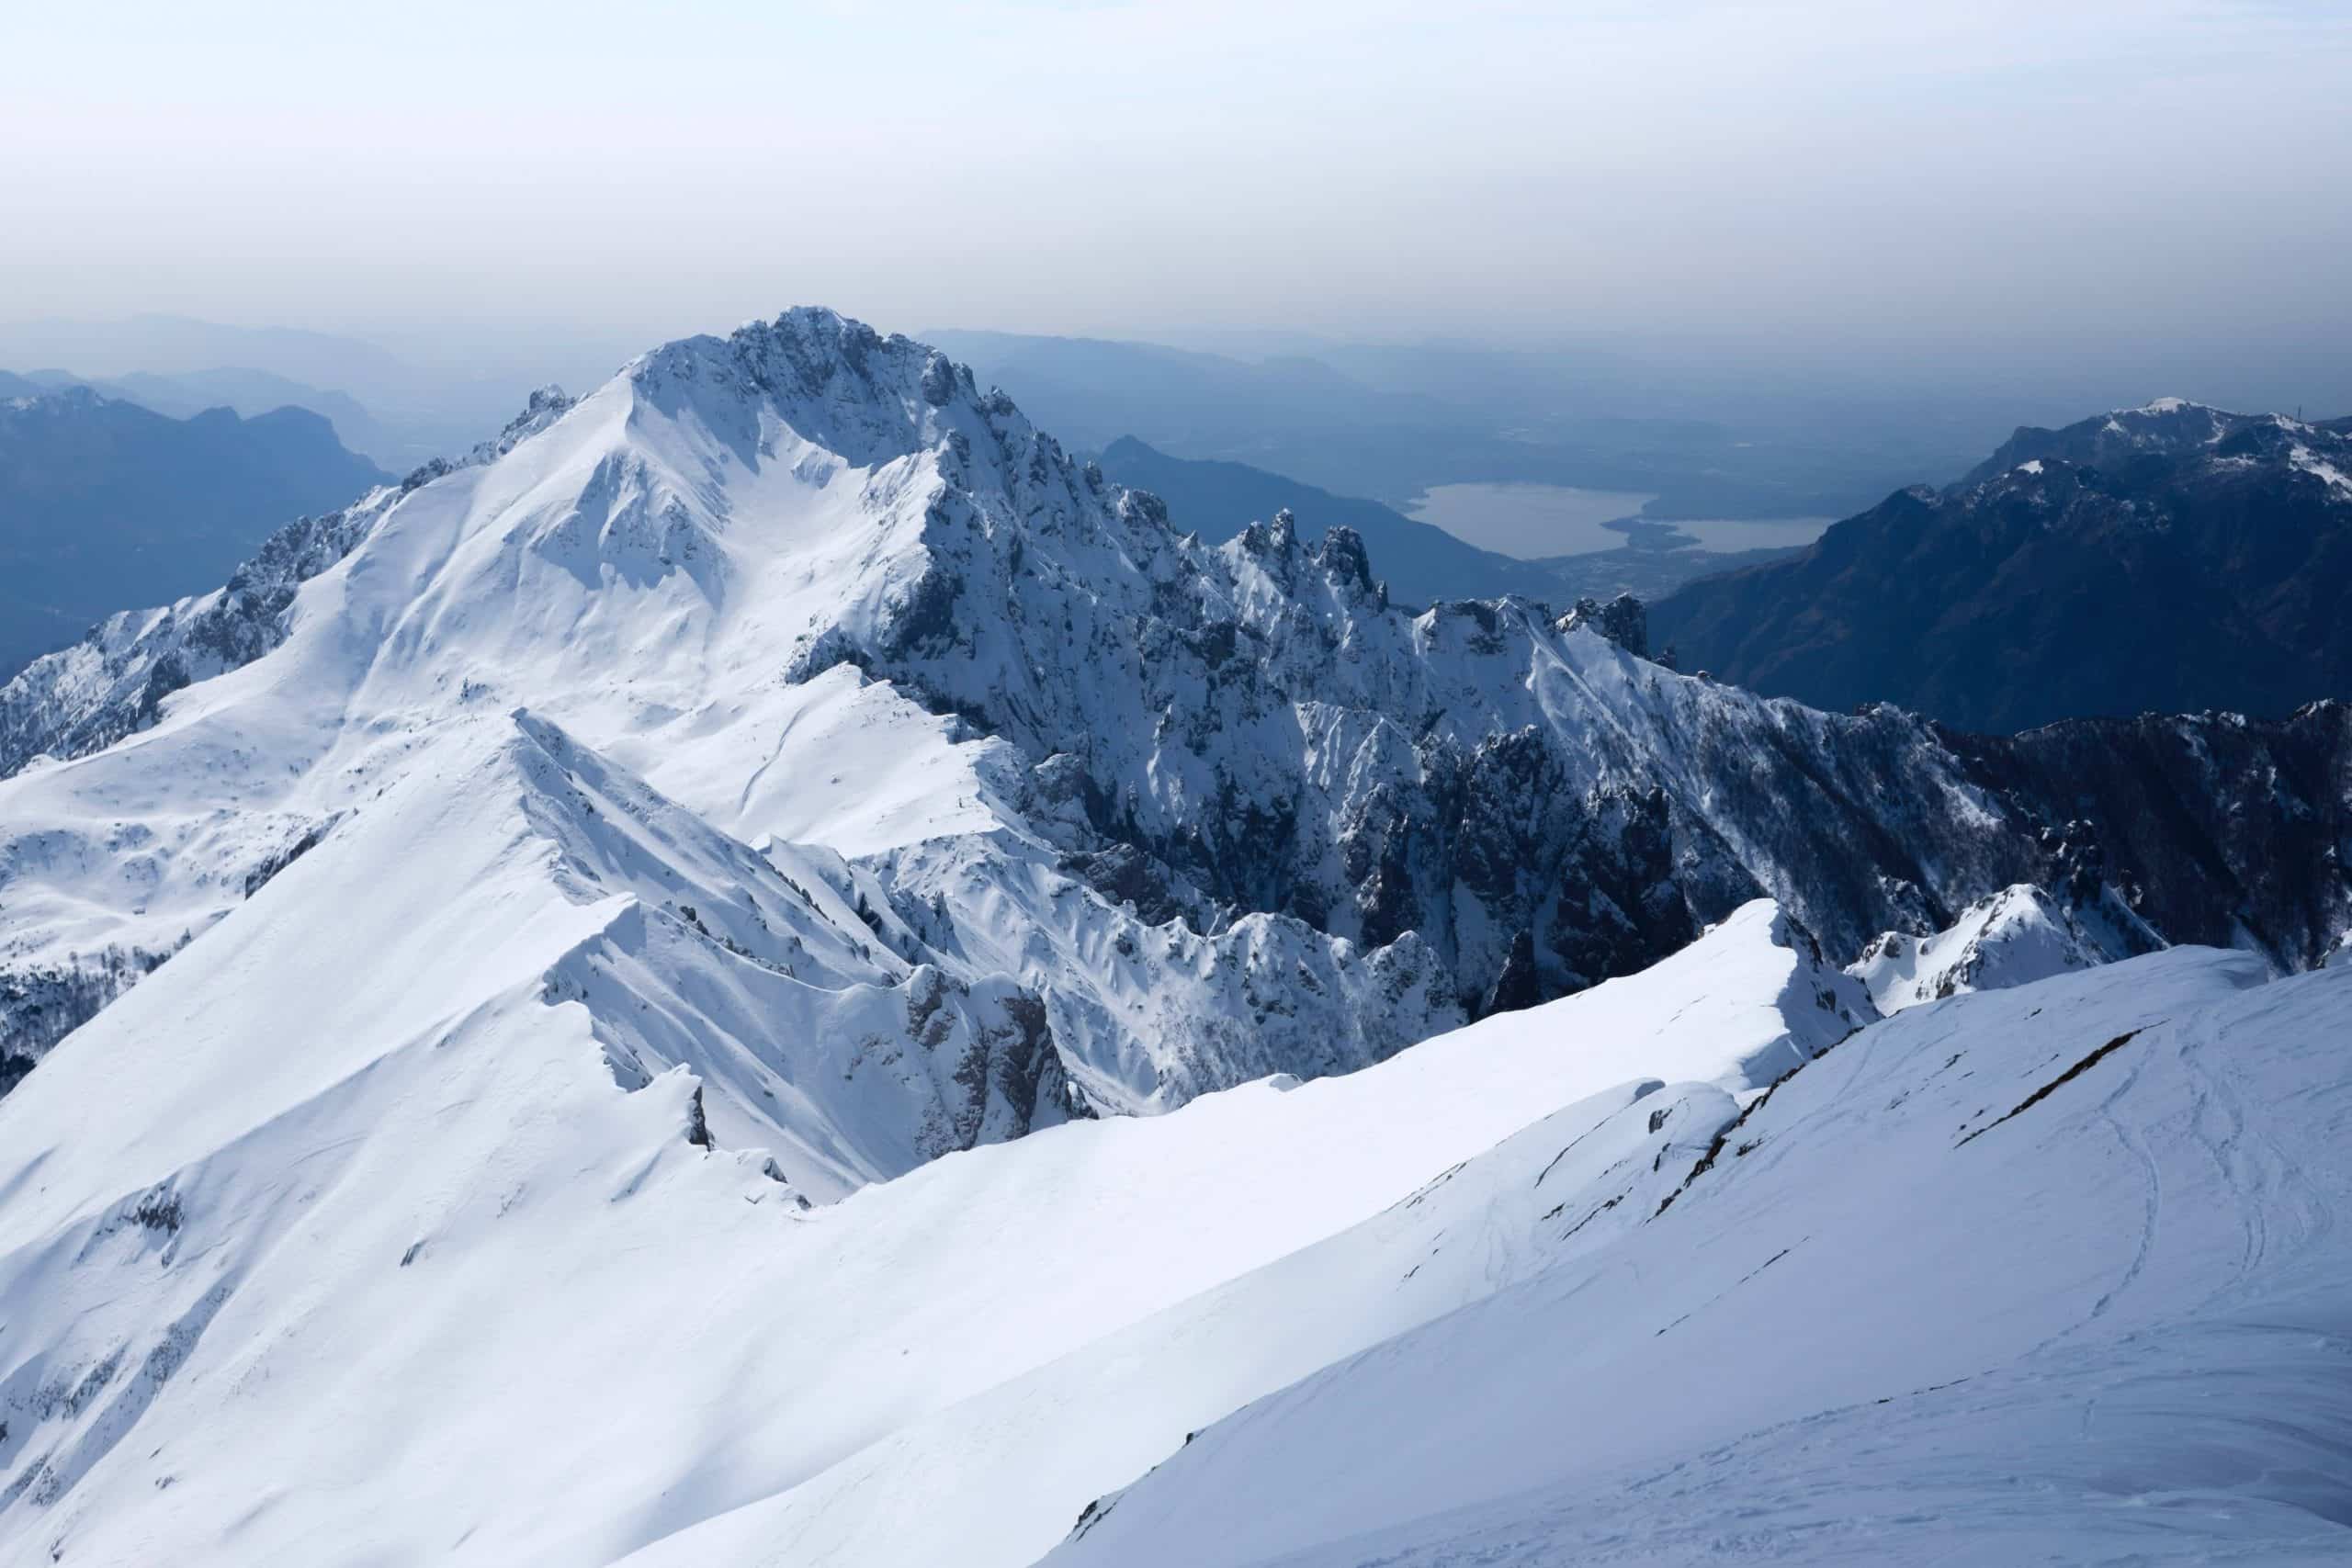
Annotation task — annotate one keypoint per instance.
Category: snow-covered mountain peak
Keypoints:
(57, 399)
(2014, 937)
(692, 571)
(836, 381)
(820, 395)
(2170, 421)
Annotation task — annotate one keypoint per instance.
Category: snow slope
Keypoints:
(114, 680)
(427, 1286)
(2045, 1274)
(1000, 1474)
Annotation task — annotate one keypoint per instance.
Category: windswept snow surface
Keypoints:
(2049, 1274)
(350, 1270)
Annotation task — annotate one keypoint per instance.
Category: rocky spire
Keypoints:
(1624, 621)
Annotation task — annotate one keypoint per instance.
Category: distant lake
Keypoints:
(1531, 521)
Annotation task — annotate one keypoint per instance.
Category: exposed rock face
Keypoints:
(1519, 986)
(1256, 724)
(41, 1004)
(1417, 560)
(2215, 828)
(2162, 559)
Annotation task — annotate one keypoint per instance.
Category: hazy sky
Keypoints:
(1830, 172)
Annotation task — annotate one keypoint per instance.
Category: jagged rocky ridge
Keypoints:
(1224, 811)
(2157, 559)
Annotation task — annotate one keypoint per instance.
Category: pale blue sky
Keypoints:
(1825, 172)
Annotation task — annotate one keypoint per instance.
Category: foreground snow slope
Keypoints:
(303, 1262)
(2049, 1274)
(996, 1473)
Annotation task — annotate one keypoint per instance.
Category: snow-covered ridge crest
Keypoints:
(2168, 427)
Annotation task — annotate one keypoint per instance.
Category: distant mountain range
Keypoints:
(396, 412)
(247, 392)
(104, 502)
(397, 444)
(2163, 559)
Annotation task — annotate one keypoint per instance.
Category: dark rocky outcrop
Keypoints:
(1624, 621)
